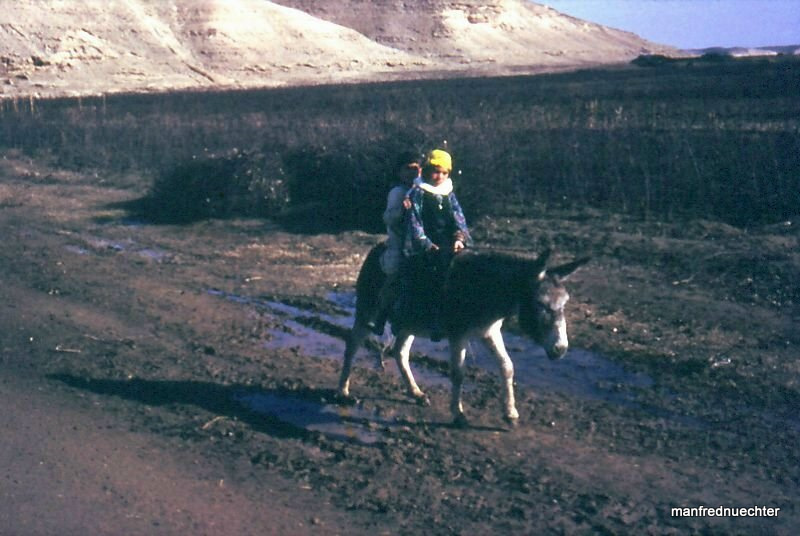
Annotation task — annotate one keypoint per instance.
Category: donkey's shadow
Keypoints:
(224, 401)
(233, 402)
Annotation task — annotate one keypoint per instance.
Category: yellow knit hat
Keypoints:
(440, 158)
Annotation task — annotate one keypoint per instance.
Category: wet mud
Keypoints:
(216, 347)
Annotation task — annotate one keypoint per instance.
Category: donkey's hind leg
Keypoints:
(402, 353)
(354, 340)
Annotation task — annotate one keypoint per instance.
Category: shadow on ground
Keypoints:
(225, 401)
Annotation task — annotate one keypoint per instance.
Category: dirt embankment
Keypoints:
(165, 379)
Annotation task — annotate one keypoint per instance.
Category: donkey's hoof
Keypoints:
(512, 417)
(513, 422)
(460, 421)
(344, 399)
(422, 400)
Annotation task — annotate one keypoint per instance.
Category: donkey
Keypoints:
(481, 290)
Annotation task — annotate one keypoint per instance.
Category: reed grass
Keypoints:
(687, 139)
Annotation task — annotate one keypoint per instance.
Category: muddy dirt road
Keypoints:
(162, 379)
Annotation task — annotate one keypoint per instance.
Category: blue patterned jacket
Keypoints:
(417, 241)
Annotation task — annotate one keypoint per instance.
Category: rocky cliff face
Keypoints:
(501, 32)
(98, 46)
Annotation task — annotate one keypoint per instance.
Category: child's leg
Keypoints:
(386, 298)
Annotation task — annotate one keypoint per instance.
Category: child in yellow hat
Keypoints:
(437, 228)
(436, 219)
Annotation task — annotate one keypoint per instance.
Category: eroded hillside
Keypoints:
(501, 32)
(88, 46)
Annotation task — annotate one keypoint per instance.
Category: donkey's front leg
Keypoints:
(402, 354)
(458, 351)
(494, 340)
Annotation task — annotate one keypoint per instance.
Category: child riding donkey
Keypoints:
(426, 228)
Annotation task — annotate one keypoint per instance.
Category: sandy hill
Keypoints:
(74, 47)
(500, 32)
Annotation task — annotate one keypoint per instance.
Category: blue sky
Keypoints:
(695, 23)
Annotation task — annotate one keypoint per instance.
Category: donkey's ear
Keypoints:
(540, 265)
(565, 270)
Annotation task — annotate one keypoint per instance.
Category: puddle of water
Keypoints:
(96, 244)
(344, 423)
(279, 308)
(311, 342)
(77, 250)
(345, 300)
(102, 244)
(580, 373)
(294, 334)
(154, 254)
(317, 344)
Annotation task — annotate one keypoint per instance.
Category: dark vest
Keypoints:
(437, 217)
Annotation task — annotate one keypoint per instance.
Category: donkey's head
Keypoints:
(542, 309)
